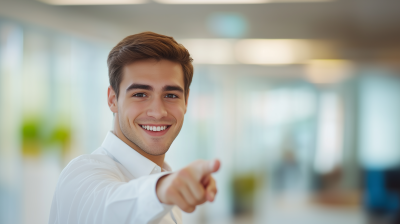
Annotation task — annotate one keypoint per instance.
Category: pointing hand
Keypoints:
(190, 186)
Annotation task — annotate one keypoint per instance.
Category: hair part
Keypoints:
(147, 45)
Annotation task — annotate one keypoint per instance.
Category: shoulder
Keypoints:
(89, 165)
(91, 160)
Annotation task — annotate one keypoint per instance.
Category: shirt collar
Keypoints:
(133, 161)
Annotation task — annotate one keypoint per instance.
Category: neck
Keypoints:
(159, 160)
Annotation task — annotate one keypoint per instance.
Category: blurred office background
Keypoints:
(299, 99)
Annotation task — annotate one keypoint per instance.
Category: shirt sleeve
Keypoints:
(90, 191)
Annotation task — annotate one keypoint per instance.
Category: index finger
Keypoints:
(208, 167)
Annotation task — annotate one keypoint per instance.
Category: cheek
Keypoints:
(132, 111)
(177, 112)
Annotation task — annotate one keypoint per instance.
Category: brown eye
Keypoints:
(171, 96)
(139, 95)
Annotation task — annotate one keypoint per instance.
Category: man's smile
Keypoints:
(155, 130)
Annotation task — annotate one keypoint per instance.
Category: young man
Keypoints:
(126, 180)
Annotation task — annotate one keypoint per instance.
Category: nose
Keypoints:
(157, 109)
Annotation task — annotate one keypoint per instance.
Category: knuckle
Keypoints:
(202, 193)
(197, 198)
(185, 208)
(192, 202)
(189, 209)
(200, 201)
(178, 183)
(203, 200)
(170, 192)
(184, 173)
(200, 196)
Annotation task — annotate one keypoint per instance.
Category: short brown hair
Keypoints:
(147, 45)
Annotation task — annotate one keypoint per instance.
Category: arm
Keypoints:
(90, 191)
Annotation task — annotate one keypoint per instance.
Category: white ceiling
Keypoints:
(358, 22)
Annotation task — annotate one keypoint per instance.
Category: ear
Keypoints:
(112, 100)
(186, 100)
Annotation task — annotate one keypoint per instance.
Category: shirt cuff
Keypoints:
(155, 188)
(158, 209)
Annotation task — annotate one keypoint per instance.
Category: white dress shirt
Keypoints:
(113, 185)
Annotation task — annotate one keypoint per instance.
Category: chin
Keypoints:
(156, 147)
(155, 151)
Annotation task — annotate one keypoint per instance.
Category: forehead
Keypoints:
(156, 73)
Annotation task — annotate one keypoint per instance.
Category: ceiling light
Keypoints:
(259, 51)
(328, 71)
(210, 51)
(270, 51)
(232, 1)
(294, 1)
(211, 1)
(93, 2)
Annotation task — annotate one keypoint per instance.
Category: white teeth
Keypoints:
(154, 128)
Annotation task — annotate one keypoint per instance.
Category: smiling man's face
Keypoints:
(151, 104)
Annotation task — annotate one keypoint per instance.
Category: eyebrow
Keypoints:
(173, 88)
(148, 87)
(139, 86)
